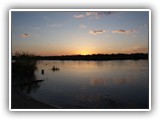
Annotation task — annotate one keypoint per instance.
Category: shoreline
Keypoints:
(21, 101)
(95, 57)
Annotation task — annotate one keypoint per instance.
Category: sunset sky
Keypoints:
(67, 33)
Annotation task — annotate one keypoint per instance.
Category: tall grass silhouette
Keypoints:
(23, 70)
(25, 63)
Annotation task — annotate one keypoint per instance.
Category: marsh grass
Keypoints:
(23, 68)
(25, 63)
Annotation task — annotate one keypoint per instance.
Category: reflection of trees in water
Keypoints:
(29, 84)
(23, 76)
(108, 81)
(120, 81)
(26, 83)
(30, 87)
(102, 82)
(97, 82)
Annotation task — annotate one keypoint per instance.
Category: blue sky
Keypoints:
(66, 33)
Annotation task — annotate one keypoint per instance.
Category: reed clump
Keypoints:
(25, 63)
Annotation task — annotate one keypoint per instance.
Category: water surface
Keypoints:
(94, 84)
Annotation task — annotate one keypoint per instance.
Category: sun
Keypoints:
(84, 52)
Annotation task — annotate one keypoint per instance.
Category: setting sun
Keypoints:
(85, 52)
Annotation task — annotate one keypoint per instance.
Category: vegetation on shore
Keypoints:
(23, 70)
(25, 63)
(134, 56)
(24, 80)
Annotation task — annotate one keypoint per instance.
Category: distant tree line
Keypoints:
(133, 56)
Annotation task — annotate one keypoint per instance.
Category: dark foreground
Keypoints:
(22, 101)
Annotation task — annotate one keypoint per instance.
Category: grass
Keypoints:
(25, 63)
(23, 68)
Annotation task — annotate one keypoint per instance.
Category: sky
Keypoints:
(48, 33)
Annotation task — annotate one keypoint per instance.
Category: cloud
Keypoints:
(56, 25)
(78, 16)
(106, 13)
(82, 26)
(118, 31)
(47, 18)
(93, 14)
(36, 28)
(143, 26)
(121, 31)
(24, 35)
(98, 14)
(95, 32)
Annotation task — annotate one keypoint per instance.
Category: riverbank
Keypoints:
(21, 101)
(95, 57)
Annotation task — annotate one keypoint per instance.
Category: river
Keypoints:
(93, 84)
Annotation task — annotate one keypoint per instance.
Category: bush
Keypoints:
(25, 63)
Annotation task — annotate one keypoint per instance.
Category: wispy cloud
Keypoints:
(36, 28)
(106, 12)
(121, 31)
(24, 35)
(96, 32)
(98, 14)
(78, 16)
(143, 26)
(92, 14)
(47, 18)
(56, 25)
(82, 26)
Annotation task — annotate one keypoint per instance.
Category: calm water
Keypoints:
(93, 84)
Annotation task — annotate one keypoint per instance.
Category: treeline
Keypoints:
(135, 56)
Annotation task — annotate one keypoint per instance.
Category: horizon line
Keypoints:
(87, 54)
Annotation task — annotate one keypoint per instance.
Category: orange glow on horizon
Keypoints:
(84, 52)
